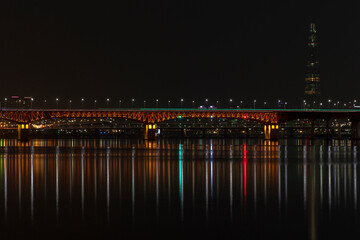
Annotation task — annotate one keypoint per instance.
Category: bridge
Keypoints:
(270, 118)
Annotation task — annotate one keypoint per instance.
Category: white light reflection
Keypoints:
(231, 190)
(169, 184)
(71, 155)
(32, 183)
(345, 188)
(255, 187)
(355, 186)
(82, 185)
(108, 183)
(321, 184)
(5, 185)
(286, 175)
(207, 190)
(329, 185)
(279, 184)
(157, 187)
(19, 163)
(211, 170)
(193, 185)
(305, 174)
(95, 179)
(133, 184)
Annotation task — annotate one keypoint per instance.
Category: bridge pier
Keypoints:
(327, 130)
(339, 128)
(183, 133)
(271, 132)
(312, 131)
(355, 129)
(149, 131)
(23, 132)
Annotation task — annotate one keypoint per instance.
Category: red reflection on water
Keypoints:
(245, 162)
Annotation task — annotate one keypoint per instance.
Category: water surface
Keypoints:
(206, 188)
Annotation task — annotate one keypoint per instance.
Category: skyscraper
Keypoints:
(312, 76)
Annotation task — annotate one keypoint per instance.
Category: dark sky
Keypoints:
(172, 49)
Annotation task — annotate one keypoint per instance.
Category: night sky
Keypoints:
(172, 49)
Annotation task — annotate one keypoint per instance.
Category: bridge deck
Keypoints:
(156, 115)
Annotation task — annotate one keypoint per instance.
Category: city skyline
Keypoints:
(159, 50)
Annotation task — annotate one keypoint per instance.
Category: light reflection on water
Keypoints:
(185, 186)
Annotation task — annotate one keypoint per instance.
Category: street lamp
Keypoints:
(241, 104)
(230, 102)
(157, 103)
(264, 104)
(285, 105)
(31, 103)
(95, 101)
(5, 102)
(217, 104)
(181, 102)
(132, 102)
(70, 104)
(45, 103)
(144, 103)
(82, 103)
(119, 103)
(193, 103)
(254, 103)
(206, 102)
(169, 103)
(57, 103)
(107, 102)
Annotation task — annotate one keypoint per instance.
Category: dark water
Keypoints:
(204, 188)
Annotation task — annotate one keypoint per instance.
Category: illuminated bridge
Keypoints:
(271, 118)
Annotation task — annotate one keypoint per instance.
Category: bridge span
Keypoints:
(270, 118)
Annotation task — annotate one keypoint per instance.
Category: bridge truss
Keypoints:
(143, 116)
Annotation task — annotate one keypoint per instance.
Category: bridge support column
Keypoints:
(312, 129)
(355, 129)
(23, 132)
(183, 133)
(327, 131)
(271, 132)
(339, 128)
(149, 131)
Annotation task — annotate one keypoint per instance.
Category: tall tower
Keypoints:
(312, 76)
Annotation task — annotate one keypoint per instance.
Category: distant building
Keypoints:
(14, 102)
(26, 102)
(312, 75)
(17, 102)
